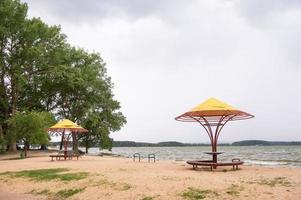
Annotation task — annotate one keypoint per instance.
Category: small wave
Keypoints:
(266, 163)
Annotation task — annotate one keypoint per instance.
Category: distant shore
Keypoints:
(179, 144)
(109, 177)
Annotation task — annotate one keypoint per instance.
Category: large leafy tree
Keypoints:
(28, 50)
(39, 71)
(85, 96)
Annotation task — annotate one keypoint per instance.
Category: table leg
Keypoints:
(214, 158)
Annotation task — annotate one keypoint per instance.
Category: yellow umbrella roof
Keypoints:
(212, 109)
(66, 124)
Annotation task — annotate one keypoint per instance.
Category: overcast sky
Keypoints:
(167, 56)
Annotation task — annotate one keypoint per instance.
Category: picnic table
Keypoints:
(64, 155)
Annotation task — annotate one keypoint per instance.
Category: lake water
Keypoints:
(251, 155)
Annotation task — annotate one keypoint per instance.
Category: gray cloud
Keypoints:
(263, 12)
(165, 57)
(90, 11)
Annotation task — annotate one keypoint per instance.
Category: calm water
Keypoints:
(252, 155)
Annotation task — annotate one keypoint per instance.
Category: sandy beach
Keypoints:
(121, 178)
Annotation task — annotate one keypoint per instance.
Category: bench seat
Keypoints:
(59, 156)
(195, 163)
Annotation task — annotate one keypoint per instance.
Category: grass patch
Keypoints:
(73, 176)
(234, 190)
(195, 194)
(114, 185)
(13, 158)
(272, 182)
(275, 181)
(40, 174)
(42, 192)
(69, 192)
(125, 186)
(105, 182)
(170, 178)
(4, 173)
(48, 174)
(147, 198)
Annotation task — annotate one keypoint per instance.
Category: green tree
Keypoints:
(30, 128)
(39, 71)
(100, 125)
(85, 96)
(29, 49)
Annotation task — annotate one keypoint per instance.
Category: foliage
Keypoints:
(22, 155)
(2, 145)
(30, 127)
(69, 192)
(28, 49)
(40, 71)
(85, 96)
(48, 174)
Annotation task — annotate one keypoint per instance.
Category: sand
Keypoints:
(121, 178)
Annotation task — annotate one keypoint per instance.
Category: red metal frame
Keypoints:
(213, 124)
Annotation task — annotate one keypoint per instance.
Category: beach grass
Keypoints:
(195, 194)
(272, 182)
(120, 186)
(282, 181)
(48, 174)
(125, 186)
(147, 198)
(69, 192)
(234, 190)
(42, 192)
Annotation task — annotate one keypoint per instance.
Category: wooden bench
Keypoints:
(69, 156)
(195, 163)
(57, 157)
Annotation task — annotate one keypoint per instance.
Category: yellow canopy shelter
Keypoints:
(213, 113)
(62, 127)
(212, 109)
(66, 124)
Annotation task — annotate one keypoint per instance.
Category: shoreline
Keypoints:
(45, 153)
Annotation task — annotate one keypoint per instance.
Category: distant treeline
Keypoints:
(160, 144)
(264, 143)
(179, 144)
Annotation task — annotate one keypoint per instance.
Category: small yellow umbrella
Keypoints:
(213, 113)
(66, 125)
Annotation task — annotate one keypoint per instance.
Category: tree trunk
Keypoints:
(62, 140)
(43, 147)
(12, 147)
(2, 146)
(74, 142)
(26, 147)
(87, 148)
(14, 94)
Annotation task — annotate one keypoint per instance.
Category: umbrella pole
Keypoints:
(62, 140)
(65, 148)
